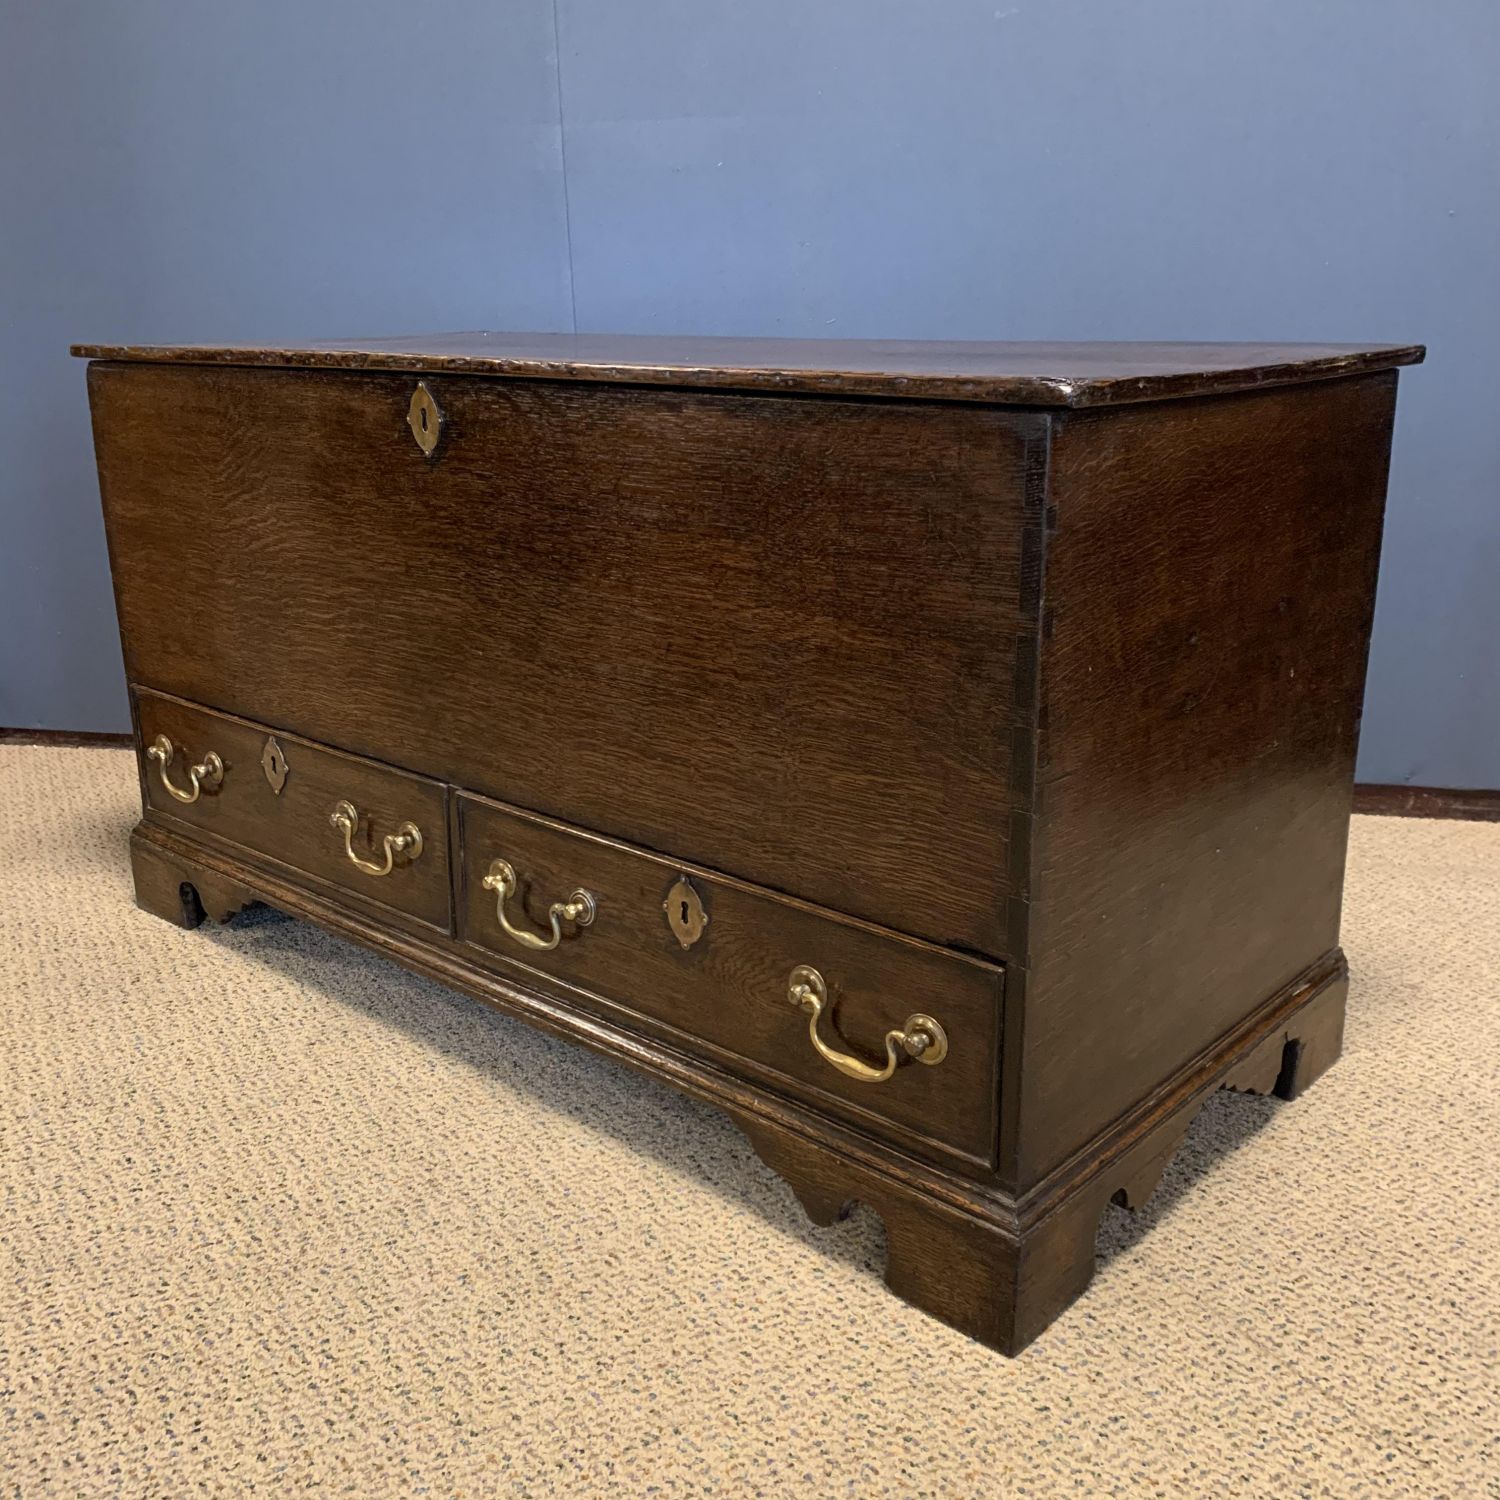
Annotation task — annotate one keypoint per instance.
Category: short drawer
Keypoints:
(713, 963)
(379, 833)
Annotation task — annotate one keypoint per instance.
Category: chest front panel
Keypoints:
(775, 636)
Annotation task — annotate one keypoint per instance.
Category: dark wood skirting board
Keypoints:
(1480, 804)
(998, 1269)
(69, 738)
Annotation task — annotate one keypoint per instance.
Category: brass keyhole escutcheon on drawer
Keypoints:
(685, 911)
(404, 843)
(204, 777)
(274, 763)
(580, 908)
(425, 418)
(922, 1038)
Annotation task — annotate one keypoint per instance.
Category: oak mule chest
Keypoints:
(938, 756)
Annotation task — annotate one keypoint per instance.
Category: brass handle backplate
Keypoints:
(580, 908)
(404, 843)
(921, 1038)
(205, 776)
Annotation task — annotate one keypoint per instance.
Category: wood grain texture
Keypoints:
(727, 992)
(776, 638)
(1209, 589)
(1025, 374)
(294, 826)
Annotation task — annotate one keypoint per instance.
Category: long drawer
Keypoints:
(783, 992)
(379, 833)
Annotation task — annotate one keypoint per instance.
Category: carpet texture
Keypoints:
(278, 1218)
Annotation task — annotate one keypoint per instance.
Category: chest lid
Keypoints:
(1004, 374)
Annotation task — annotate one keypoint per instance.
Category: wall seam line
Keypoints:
(562, 142)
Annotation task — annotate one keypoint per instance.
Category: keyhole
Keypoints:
(424, 419)
(684, 917)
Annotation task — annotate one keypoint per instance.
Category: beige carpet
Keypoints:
(278, 1218)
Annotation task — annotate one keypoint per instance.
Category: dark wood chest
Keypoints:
(937, 756)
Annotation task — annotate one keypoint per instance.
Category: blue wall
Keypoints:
(1304, 169)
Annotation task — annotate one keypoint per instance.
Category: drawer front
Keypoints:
(710, 962)
(777, 636)
(230, 770)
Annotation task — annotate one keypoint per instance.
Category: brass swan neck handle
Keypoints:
(405, 842)
(580, 908)
(204, 777)
(922, 1038)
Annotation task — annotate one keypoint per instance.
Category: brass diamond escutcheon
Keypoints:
(273, 763)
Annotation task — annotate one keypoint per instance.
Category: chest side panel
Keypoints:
(774, 636)
(1209, 588)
